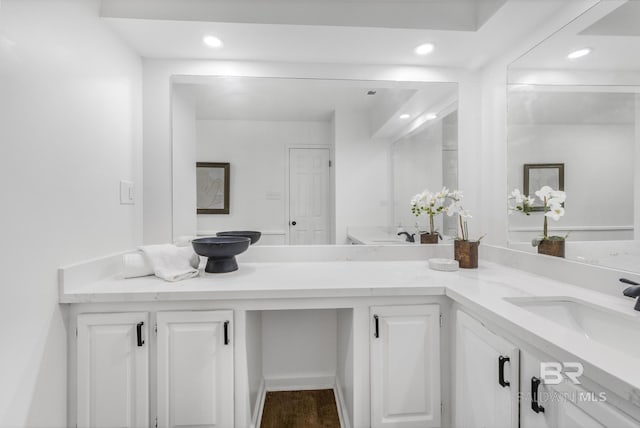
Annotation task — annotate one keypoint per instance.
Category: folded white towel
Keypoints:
(171, 263)
(135, 264)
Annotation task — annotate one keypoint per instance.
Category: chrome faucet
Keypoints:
(633, 291)
(410, 238)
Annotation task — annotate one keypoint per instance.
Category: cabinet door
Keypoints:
(195, 369)
(565, 405)
(113, 370)
(487, 377)
(405, 366)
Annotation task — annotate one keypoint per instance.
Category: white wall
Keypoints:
(363, 174)
(598, 177)
(70, 113)
(299, 343)
(417, 165)
(258, 153)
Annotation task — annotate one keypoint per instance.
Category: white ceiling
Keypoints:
(164, 29)
(246, 98)
(611, 29)
(553, 108)
(242, 98)
(460, 15)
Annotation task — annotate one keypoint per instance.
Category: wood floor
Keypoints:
(300, 409)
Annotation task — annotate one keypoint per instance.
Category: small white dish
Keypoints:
(446, 265)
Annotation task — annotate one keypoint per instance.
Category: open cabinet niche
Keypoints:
(293, 350)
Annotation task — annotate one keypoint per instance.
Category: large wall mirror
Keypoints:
(312, 162)
(575, 100)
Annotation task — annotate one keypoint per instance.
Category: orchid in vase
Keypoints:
(465, 251)
(455, 207)
(552, 206)
(431, 204)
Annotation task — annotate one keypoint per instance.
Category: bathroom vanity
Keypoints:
(401, 345)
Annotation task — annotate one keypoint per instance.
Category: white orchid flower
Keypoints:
(555, 212)
(529, 200)
(456, 195)
(443, 193)
(557, 196)
(515, 194)
(452, 208)
(544, 193)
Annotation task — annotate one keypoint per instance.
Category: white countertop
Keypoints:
(483, 290)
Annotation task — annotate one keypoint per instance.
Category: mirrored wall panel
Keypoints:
(312, 162)
(574, 124)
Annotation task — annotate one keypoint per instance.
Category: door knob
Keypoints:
(293, 223)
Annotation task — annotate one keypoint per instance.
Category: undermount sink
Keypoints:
(607, 327)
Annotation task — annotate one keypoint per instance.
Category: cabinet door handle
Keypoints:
(226, 332)
(376, 332)
(139, 333)
(535, 383)
(501, 361)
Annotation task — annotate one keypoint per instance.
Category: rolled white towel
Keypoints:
(136, 264)
(172, 263)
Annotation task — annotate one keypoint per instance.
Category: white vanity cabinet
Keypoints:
(565, 405)
(112, 370)
(405, 366)
(486, 377)
(195, 369)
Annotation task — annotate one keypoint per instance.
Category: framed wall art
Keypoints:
(212, 183)
(542, 174)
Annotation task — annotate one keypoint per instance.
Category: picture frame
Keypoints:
(212, 187)
(537, 175)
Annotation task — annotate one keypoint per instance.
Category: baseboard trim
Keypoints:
(259, 406)
(343, 415)
(300, 384)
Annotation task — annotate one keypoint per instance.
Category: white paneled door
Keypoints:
(195, 369)
(405, 366)
(113, 370)
(487, 377)
(309, 196)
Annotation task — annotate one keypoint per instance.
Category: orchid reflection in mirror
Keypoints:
(552, 203)
(432, 205)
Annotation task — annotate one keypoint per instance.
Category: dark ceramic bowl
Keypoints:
(221, 252)
(255, 236)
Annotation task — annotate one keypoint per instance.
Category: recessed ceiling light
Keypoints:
(579, 53)
(212, 42)
(405, 116)
(430, 116)
(424, 49)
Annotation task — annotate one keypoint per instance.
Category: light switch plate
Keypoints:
(127, 193)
